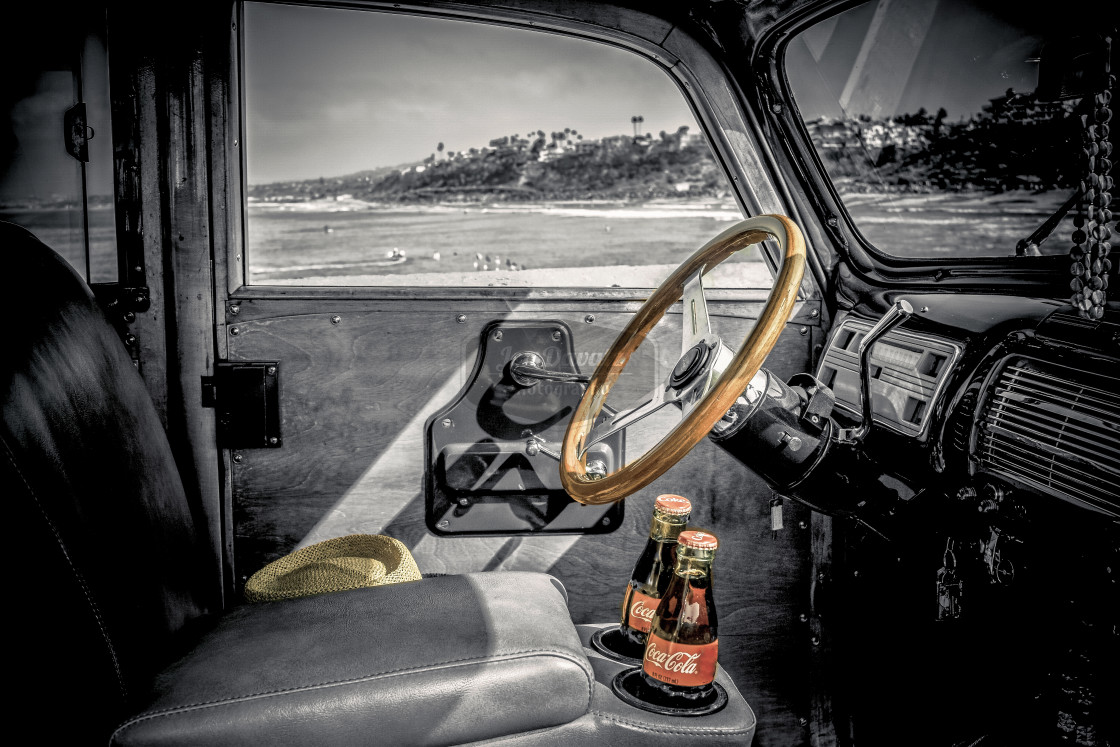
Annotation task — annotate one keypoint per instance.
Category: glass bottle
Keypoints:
(652, 573)
(679, 665)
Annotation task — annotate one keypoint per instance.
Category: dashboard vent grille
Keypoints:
(962, 422)
(1056, 429)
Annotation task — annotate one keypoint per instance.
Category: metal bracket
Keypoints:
(76, 132)
(247, 398)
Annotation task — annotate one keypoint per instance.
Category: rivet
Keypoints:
(498, 336)
(815, 418)
(776, 108)
(556, 335)
(803, 721)
(590, 318)
(274, 440)
(462, 319)
(804, 330)
(833, 221)
(606, 521)
(443, 524)
(336, 319)
(235, 309)
(235, 331)
(129, 317)
(924, 309)
(238, 458)
(855, 574)
(803, 617)
(814, 313)
(815, 640)
(138, 268)
(271, 370)
(446, 423)
(802, 524)
(820, 577)
(464, 502)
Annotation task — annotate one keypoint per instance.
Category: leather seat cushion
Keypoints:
(442, 660)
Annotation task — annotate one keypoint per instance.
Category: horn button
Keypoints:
(690, 364)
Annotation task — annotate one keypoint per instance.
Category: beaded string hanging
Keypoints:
(1091, 246)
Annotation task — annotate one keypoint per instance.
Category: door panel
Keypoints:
(359, 379)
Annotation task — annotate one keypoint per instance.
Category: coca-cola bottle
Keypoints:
(649, 579)
(679, 665)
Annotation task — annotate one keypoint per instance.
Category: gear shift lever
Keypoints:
(896, 315)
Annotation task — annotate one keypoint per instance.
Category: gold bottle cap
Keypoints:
(673, 505)
(698, 540)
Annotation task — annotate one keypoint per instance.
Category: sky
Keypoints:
(330, 92)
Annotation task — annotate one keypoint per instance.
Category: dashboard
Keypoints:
(994, 396)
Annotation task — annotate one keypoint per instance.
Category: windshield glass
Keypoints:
(947, 129)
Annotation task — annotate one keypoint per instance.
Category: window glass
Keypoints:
(941, 126)
(67, 203)
(392, 149)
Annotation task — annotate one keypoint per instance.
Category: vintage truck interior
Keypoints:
(874, 343)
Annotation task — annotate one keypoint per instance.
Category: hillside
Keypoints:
(1012, 144)
(519, 169)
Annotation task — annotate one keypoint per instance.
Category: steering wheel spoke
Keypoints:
(651, 403)
(694, 321)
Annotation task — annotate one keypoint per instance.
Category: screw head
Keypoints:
(590, 318)
(238, 458)
(446, 423)
(274, 440)
(235, 309)
(271, 370)
(557, 335)
(804, 330)
(235, 331)
(498, 336)
(461, 318)
(129, 317)
(336, 319)
(443, 524)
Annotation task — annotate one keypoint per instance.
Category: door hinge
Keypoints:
(247, 398)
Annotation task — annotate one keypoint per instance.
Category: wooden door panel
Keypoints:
(360, 379)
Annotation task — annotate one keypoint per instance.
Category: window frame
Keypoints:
(861, 261)
(749, 173)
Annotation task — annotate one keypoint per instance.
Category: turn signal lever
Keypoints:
(896, 315)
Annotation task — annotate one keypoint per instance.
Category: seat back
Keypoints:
(104, 536)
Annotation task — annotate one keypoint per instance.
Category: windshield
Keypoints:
(949, 130)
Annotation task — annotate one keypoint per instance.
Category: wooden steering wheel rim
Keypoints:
(746, 363)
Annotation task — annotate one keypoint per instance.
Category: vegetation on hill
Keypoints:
(1013, 143)
(516, 168)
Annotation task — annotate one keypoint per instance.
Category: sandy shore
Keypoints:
(728, 275)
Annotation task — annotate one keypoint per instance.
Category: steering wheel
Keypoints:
(707, 378)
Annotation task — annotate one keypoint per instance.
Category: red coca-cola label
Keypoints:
(640, 614)
(679, 663)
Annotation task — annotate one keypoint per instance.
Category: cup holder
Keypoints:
(611, 643)
(633, 689)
